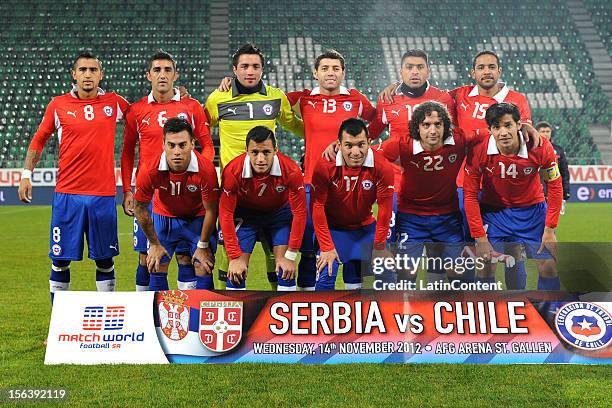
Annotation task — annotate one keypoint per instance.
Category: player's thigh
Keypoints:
(354, 245)
(191, 231)
(67, 229)
(247, 234)
(169, 233)
(278, 228)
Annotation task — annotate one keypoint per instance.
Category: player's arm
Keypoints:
(552, 177)
(384, 198)
(288, 119)
(238, 266)
(376, 125)
(390, 150)
(565, 175)
(202, 131)
(45, 130)
(142, 199)
(294, 100)
(212, 109)
(471, 187)
(320, 184)
(128, 157)
(386, 95)
(210, 200)
(297, 201)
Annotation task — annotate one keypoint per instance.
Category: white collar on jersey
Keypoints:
(317, 91)
(247, 169)
(499, 97)
(73, 91)
(369, 161)
(176, 97)
(399, 87)
(492, 147)
(417, 148)
(193, 163)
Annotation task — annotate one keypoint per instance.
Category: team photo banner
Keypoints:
(200, 326)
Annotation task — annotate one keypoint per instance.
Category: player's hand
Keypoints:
(204, 261)
(183, 92)
(237, 270)
(530, 133)
(287, 266)
(386, 95)
(327, 258)
(154, 255)
(330, 151)
(483, 249)
(128, 203)
(25, 190)
(225, 85)
(549, 241)
(562, 212)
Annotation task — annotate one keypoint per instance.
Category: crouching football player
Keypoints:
(512, 206)
(260, 190)
(184, 210)
(343, 192)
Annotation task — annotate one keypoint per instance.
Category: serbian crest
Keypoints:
(220, 325)
(174, 315)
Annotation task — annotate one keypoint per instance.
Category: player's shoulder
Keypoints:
(190, 102)
(235, 165)
(274, 91)
(323, 165)
(515, 95)
(380, 161)
(218, 96)
(462, 90)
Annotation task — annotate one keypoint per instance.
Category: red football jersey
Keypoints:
(265, 193)
(342, 197)
(397, 116)
(323, 115)
(144, 124)
(471, 108)
(510, 181)
(86, 134)
(178, 194)
(428, 180)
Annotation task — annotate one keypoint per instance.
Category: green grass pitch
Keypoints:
(25, 311)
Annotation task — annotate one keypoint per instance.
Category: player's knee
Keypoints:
(548, 269)
(105, 265)
(61, 264)
(183, 259)
(142, 258)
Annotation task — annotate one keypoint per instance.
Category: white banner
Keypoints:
(103, 328)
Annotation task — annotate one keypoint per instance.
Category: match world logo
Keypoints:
(220, 325)
(103, 317)
(584, 325)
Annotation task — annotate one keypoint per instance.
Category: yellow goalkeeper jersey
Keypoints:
(237, 113)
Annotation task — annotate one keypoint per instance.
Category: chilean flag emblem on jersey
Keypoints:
(220, 325)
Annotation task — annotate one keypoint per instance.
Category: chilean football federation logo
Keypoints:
(367, 184)
(192, 188)
(268, 109)
(528, 170)
(220, 325)
(182, 115)
(174, 315)
(280, 188)
(108, 111)
(452, 158)
(584, 325)
(347, 106)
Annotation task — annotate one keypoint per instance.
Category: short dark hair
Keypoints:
(352, 126)
(486, 52)
(260, 134)
(416, 52)
(177, 125)
(248, 48)
(85, 55)
(497, 110)
(161, 55)
(543, 124)
(331, 54)
(426, 109)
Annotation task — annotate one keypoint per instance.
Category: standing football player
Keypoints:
(343, 192)
(184, 209)
(545, 130)
(144, 125)
(248, 103)
(84, 200)
(261, 190)
(512, 208)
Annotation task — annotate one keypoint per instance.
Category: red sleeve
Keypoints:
(297, 200)
(471, 187)
(376, 125)
(227, 206)
(453, 93)
(45, 129)
(318, 194)
(449, 101)
(384, 198)
(294, 97)
(128, 151)
(202, 131)
(553, 187)
(474, 137)
(123, 106)
(390, 149)
(209, 185)
(144, 186)
(524, 110)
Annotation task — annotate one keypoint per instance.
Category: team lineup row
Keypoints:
(413, 177)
